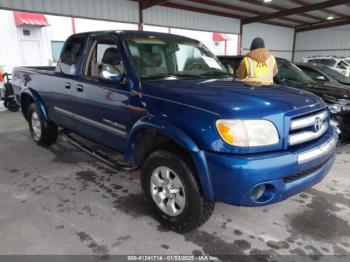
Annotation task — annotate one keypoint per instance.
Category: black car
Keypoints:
(337, 96)
(322, 73)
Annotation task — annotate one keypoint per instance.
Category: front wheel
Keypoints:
(173, 192)
(42, 132)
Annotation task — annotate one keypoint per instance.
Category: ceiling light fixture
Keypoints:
(267, 1)
(330, 17)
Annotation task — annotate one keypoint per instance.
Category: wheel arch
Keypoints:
(150, 132)
(29, 96)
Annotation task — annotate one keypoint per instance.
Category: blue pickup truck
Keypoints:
(169, 106)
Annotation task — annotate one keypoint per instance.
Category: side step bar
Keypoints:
(116, 165)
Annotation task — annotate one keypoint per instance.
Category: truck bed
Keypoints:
(35, 69)
(22, 74)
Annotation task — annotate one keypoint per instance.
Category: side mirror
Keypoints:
(110, 74)
(230, 69)
(67, 69)
(320, 78)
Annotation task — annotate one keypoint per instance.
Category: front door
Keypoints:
(100, 107)
(30, 52)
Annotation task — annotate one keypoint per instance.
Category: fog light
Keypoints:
(258, 192)
(336, 125)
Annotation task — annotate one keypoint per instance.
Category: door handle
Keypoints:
(68, 85)
(80, 88)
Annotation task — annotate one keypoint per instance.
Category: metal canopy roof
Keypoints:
(303, 15)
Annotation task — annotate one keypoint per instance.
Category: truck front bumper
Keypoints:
(236, 179)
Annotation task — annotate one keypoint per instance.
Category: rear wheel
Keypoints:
(42, 132)
(173, 192)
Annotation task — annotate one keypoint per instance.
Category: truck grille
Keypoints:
(305, 173)
(307, 128)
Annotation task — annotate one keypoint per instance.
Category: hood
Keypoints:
(330, 91)
(229, 97)
(260, 55)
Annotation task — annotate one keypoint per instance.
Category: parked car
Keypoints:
(321, 73)
(339, 64)
(335, 95)
(168, 104)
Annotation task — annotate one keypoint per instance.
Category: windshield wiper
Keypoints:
(187, 75)
(215, 73)
(157, 76)
(171, 75)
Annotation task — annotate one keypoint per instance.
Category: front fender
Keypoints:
(37, 100)
(180, 137)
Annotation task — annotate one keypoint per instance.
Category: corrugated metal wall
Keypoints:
(114, 10)
(125, 11)
(329, 41)
(164, 16)
(278, 39)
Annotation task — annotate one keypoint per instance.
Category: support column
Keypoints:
(73, 25)
(240, 39)
(294, 40)
(140, 25)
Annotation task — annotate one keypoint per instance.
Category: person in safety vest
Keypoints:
(259, 65)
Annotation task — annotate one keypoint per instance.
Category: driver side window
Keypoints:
(104, 52)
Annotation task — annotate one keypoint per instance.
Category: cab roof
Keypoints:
(134, 33)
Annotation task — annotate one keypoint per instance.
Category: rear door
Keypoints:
(101, 108)
(64, 81)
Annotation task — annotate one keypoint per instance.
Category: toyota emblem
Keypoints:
(318, 124)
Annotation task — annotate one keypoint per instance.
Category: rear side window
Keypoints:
(70, 55)
(328, 62)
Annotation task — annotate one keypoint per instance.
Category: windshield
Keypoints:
(334, 74)
(165, 57)
(291, 75)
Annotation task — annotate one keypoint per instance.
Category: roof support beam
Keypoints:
(212, 12)
(239, 8)
(294, 11)
(327, 11)
(278, 8)
(326, 24)
(200, 10)
(149, 3)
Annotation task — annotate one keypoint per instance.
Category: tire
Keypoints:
(12, 106)
(190, 210)
(42, 132)
(5, 104)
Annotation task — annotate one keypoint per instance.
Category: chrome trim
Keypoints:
(64, 112)
(91, 122)
(305, 136)
(308, 120)
(318, 152)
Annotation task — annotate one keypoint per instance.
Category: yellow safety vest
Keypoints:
(256, 72)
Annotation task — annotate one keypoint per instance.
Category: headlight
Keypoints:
(245, 133)
(335, 108)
